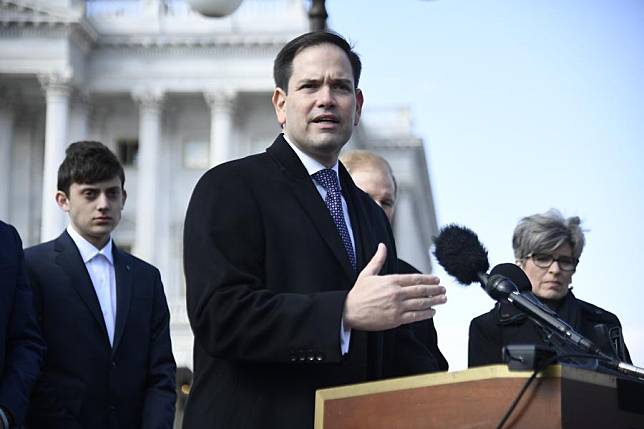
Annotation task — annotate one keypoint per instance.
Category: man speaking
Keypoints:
(287, 262)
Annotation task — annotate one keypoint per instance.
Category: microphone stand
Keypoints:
(569, 341)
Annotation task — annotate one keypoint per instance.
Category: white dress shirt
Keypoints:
(313, 166)
(100, 266)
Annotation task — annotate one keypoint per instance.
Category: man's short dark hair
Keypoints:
(283, 65)
(88, 162)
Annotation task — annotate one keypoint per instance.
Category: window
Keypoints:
(127, 150)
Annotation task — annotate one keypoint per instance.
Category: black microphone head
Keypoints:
(514, 273)
(499, 287)
(460, 252)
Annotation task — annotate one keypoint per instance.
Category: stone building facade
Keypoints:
(172, 93)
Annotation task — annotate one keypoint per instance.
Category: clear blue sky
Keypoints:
(523, 106)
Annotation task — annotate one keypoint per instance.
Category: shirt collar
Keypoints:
(87, 250)
(312, 165)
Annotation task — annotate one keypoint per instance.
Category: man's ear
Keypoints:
(124, 197)
(62, 200)
(359, 102)
(279, 103)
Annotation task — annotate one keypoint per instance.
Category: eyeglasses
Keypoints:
(543, 260)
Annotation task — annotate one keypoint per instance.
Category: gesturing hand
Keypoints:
(377, 303)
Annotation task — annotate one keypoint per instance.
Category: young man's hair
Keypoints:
(283, 65)
(88, 162)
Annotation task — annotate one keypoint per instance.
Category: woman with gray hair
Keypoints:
(547, 247)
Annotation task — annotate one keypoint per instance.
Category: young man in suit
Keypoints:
(282, 262)
(21, 346)
(373, 174)
(102, 311)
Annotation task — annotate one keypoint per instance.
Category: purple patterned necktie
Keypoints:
(328, 179)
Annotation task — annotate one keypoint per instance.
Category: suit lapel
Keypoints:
(309, 198)
(69, 259)
(123, 275)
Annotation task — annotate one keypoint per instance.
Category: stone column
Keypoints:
(150, 105)
(221, 122)
(7, 108)
(57, 89)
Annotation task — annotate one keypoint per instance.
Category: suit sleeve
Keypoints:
(233, 312)
(484, 346)
(160, 394)
(411, 357)
(25, 347)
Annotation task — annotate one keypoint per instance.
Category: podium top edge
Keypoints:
(472, 374)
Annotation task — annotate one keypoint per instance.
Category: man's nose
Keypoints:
(554, 267)
(103, 201)
(325, 96)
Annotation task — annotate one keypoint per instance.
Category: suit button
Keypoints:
(113, 364)
(319, 357)
(113, 409)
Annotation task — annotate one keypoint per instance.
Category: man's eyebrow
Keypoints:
(344, 80)
(308, 80)
(341, 80)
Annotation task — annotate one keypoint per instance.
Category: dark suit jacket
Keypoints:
(85, 382)
(505, 325)
(21, 346)
(425, 331)
(267, 276)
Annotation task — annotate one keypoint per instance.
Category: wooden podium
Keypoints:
(560, 397)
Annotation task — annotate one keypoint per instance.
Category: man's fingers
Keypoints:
(417, 316)
(376, 262)
(420, 304)
(421, 291)
(414, 279)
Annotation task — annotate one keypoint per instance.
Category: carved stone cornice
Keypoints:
(225, 42)
(34, 13)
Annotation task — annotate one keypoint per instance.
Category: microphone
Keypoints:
(502, 288)
(523, 299)
(460, 252)
(514, 273)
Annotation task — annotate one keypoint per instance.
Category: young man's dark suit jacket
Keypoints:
(267, 276)
(86, 383)
(21, 346)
